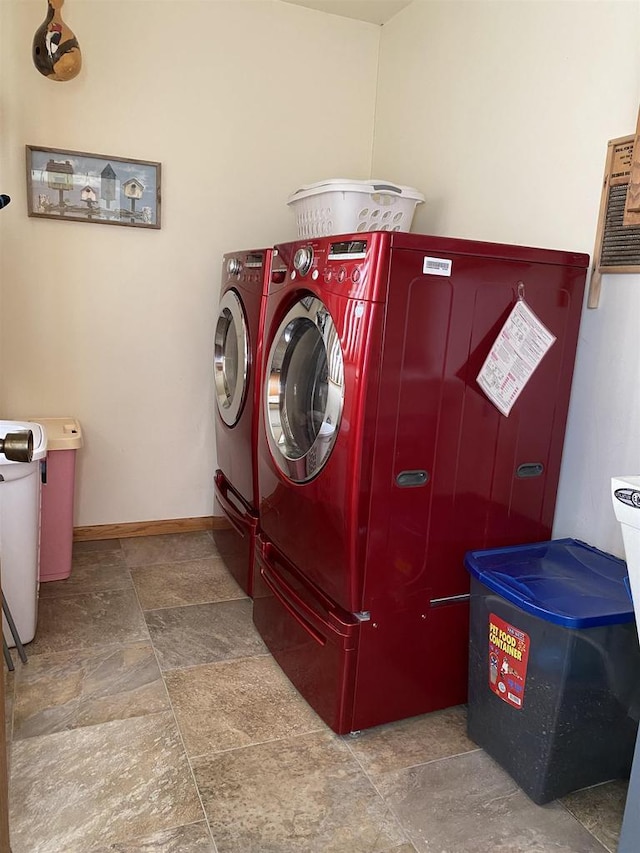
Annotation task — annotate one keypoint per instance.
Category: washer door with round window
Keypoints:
(231, 358)
(304, 390)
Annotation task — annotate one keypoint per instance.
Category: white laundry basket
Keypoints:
(340, 206)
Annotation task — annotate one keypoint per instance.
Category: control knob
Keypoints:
(303, 259)
(234, 266)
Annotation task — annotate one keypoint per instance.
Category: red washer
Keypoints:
(381, 461)
(237, 382)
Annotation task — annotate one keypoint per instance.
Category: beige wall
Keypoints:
(241, 102)
(500, 112)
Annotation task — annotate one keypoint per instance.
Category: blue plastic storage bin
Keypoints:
(554, 665)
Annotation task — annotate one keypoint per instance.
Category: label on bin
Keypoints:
(508, 657)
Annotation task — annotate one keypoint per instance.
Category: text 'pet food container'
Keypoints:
(554, 665)
(340, 206)
(19, 525)
(56, 533)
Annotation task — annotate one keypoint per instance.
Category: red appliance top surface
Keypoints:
(357, 265)
(380, 241)
(481, 249)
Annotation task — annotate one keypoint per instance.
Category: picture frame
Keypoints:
(75, 186)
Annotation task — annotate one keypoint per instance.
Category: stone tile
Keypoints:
(87, 621)
(100, 785)
(403, 848)
(91, 575)
(98, 557)
(96, 545)
(195, 838)
(203, 633)
(9, 695)
(601, 810)
(468, 804)
(168, 548)
(236, 703)
(301, 795)
(64, 691)
(191, 582)
(413, 741)
(94, 559)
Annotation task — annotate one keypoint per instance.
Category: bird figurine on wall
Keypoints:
(56, 52)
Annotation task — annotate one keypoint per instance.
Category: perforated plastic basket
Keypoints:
(340, 206)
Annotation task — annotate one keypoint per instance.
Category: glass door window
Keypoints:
(231, 358)
(304, 390)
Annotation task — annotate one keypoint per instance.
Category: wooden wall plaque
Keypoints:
(617, 248)
(632, 206)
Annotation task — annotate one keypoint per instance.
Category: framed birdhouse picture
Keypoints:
(80, 187)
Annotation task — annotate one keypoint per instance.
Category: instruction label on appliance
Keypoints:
(508, 658)
(519, 348)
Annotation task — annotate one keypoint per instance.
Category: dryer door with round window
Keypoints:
(231, 358)
(304, 390)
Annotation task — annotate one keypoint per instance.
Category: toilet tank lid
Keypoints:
(564, 581)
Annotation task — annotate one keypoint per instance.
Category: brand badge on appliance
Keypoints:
(631, 497)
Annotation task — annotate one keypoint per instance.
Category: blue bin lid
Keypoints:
(564, 581)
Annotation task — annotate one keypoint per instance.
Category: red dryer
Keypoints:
(236, 365)
(381, 461)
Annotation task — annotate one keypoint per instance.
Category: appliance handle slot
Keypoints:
(232, 519)
(275, 559)
(411, 479)
(234, 516)
(529, 469)
(291, 607)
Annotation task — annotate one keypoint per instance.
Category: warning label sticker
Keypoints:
(508, 657)
(517, 351)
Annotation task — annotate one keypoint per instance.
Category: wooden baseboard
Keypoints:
(149, 528)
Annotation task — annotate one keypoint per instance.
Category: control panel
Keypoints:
(247, 268)
(340, 264)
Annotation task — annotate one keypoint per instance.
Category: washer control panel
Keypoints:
(340, 264)
(345, 263)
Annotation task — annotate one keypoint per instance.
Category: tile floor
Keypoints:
(150, 717)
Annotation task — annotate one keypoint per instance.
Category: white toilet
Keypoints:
(625, 492)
